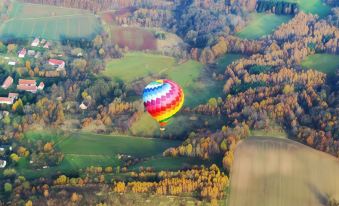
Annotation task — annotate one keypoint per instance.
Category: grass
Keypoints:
(96, 144)
(273, 171)
(261, 24)
(178, 127)
(171, 163)
(190, 75)
(136, 65)
(326, 63)
(84, 149)
(32, 20)
(313, 6)
(226, 60)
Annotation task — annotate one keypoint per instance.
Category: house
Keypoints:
(12, 63)
(46, 46)
(37, 55)
(6, 100)
(32, 89)
(13, 95)
(22, 53)
(7, 83)
(3, 163)
(35, 42)
(83, 106)
(56, 62)
(28, 85)
(43, 41)
(41, 86)
(27, 82)
(31, 53)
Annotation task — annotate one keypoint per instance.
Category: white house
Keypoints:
(31, 53)
(12, 63)
(83, 106)
(41, 86)
(3, 163)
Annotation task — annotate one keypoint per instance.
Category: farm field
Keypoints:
(190, 75)
(133, 38)
(273, 171)
(326, 63)
(261, 24)
(30, 20)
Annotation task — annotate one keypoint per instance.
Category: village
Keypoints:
(30, 85)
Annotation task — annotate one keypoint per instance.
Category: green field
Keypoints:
(179, 126)
(84, 149)
(313, 6)
(273, 171)
(137, 65)
(261, 24)
(34, 20)
(171, 163)
(96, 144)
(190, 75)
(226, 60)
(327, 63)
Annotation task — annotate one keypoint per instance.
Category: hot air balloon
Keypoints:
(162, 99)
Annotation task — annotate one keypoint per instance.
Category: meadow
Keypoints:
(83, 150)
(273, 171)
(313, 6)
(226, 60)
(261, 24)
(326, 63)
(97, 144)
(179, 126)
(137, 65)
(190, 74)
(32, 20)
(171, 163)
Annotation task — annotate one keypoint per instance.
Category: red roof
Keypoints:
(27, 88)
(41, 86)
(56, 62)
(12, 95)
(8, 82)
(27, 81)
(6, 100)
(23, 51)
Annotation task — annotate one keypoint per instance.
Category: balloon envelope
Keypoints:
(162, 99)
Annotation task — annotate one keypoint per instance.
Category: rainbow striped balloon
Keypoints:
(162, 99)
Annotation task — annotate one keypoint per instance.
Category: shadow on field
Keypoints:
(322, 198)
